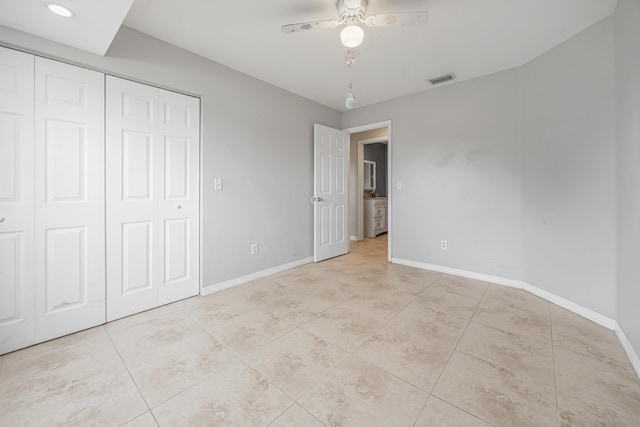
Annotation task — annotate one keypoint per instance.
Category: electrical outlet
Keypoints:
(254, 249)
(217, 184)
(443, 245)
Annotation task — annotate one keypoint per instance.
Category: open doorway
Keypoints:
(370, 202)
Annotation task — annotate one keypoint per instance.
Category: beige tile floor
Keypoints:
(352, 341)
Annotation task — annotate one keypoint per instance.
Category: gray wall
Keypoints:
(568, 168)
(256, 137)
(378, 153)
(456, 151)
(516, 170)
(628, 125)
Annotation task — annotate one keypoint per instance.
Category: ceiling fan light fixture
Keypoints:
(351, 36)
(60, 10)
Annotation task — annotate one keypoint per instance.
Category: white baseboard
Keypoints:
(585, 312)
(207, 290)
(628, 348)
(353, 238)
(594, 316)
(461, 273)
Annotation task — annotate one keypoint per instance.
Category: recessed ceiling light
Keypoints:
(60, 10)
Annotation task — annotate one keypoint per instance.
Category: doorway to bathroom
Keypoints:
(370, 198)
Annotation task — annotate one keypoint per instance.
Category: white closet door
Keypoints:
(152, 197)
(179, 201)
(132, 202)
(69, 199)
(17, 322)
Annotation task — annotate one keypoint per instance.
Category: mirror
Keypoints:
(369, 175)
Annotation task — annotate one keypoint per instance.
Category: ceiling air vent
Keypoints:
(442, 79)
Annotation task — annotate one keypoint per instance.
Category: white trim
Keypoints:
(354, 238)
(462, 273)
(370, 126)
(201, 205)
(254, 276)
(628, 348)
(578, 309)
(587, 313)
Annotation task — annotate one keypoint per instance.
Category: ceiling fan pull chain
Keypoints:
(350, 103)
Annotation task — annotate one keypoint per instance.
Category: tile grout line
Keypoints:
(553, 357)
(352, 354)
(177, 393)
(484, 294)
(430, 396)
(128, 372)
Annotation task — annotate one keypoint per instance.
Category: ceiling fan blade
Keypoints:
(404, 19)
(305, 26)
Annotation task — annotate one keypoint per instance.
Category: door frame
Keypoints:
(363, 128)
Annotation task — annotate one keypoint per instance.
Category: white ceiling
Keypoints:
(92, 29)
(470, 38)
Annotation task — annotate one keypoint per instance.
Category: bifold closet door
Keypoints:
(152, 197)
(17, 321)
(69, 199)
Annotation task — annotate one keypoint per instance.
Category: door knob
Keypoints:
(317, 199)
(178, 207)
(1, 219)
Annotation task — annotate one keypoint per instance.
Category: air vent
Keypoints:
(442, 79)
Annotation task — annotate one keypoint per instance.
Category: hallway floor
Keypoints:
(352, 341)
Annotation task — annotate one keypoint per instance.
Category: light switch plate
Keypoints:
(217, 184)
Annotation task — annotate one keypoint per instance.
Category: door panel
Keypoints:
(137, 166)
(69, 199)
(137, 257)
(10, 156)
(176, 248)
(65, 161)
(17, 314)
(65, 278)
(331, 157)
(177, 163)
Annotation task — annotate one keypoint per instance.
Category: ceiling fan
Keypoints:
(352, 13)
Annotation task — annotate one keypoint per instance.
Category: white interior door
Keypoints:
(152, 197)
(69, 199)
(331, 160)
(17, 321)
(132, 204)
(179, 196)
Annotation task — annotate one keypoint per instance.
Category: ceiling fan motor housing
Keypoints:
(352, 11)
